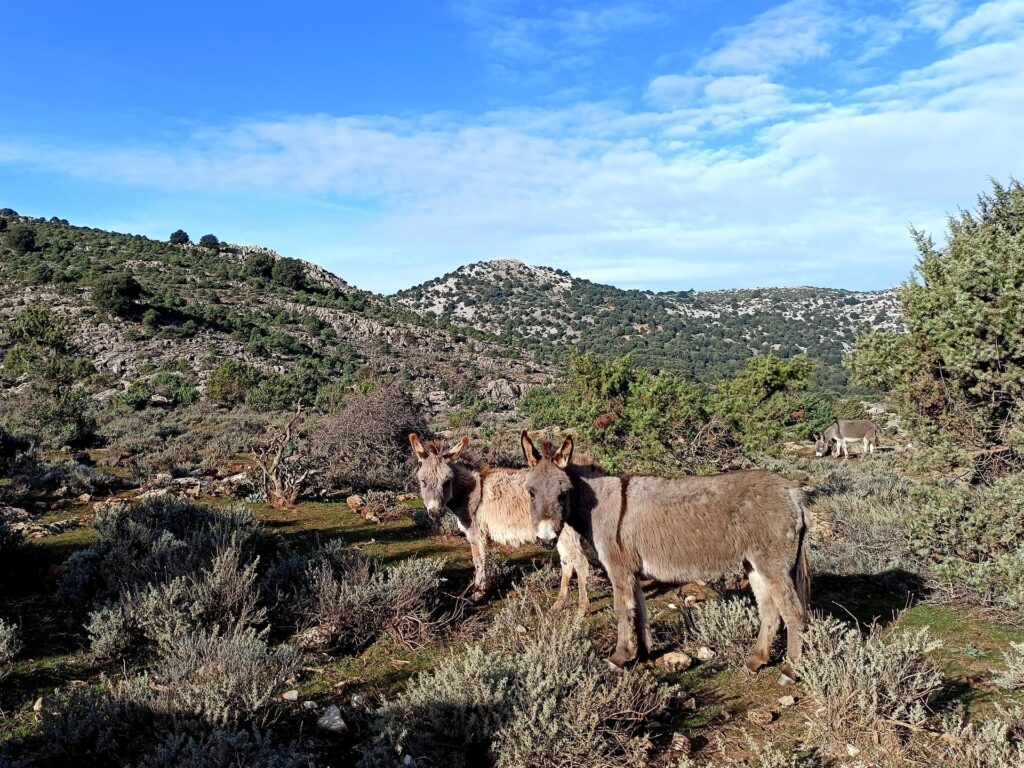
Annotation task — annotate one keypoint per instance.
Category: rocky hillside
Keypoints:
(705, 332)
(193, 307)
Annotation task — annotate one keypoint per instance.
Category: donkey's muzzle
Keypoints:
(547, 543)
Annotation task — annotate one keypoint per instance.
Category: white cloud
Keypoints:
(564, 36)
(794, 32)
(996, 19)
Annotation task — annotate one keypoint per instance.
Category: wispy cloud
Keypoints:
(564, 36)
(999, 19)
(794, 32)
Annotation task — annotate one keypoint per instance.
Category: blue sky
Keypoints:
(666, 145)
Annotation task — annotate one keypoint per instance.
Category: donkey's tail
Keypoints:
(802, 567)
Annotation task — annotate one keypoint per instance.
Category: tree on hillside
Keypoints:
(259, 264)
(960, 369)
(116, 293)
(289, 273)
(21, 238)
(209, 241)
(179, 237)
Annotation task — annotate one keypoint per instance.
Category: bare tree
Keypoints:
(282, 467)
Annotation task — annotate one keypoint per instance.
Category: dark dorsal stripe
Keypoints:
(623, 503)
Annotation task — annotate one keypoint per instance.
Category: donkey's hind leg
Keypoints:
(624, 602)
(768, 610)
(784, 594)
(644, 638)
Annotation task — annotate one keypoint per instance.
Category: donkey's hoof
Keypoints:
(787, 677)
(619, 659)
(750, 668)
(557, 606)
(613, 666)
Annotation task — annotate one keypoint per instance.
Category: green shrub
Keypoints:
(289, 273)
(340, 599)
(224, 678)
(531, 692)
(867, 691)
(116, 293)
(179, 237)
(959, 373)
(727, 627)
(21, 239)
(259, 264)
(10, 646)
(110, 632)
(156, 540)
(230, 382)
(634, 420)
(129, 723)
(1012, 677)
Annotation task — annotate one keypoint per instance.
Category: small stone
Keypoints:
(787, 701)
(690, 601)
(672, 606)
(355, 503)
(85, 498)
(38, 706)
(785, 680)
(310, 705)
(681, 743)
(760, 716)
(331, 720)
(690, 704)
(410, 762)
(358, 701)
(521, 629)
(852, 751)
(675, 661)
(291, 695)
(705, 654)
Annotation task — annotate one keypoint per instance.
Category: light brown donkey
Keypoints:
(490, 505)
(676, 530)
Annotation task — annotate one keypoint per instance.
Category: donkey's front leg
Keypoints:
(563, 589)
(624, 602)
(478, 547)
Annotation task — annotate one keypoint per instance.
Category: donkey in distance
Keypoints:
(843, 433)
(490, 505)
(676, 530)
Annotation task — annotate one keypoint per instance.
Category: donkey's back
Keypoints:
(680, 529)
(853, 429)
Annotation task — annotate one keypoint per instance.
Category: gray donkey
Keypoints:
(490, 505)
(677, 530)
(843, 433)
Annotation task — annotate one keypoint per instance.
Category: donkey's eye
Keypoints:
(533, 494)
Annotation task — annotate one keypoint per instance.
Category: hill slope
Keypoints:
(201, 306)
(704, 332)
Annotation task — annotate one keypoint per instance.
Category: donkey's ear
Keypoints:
(458, 448)
(529, 449)
(417, 447)
(564, 455)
